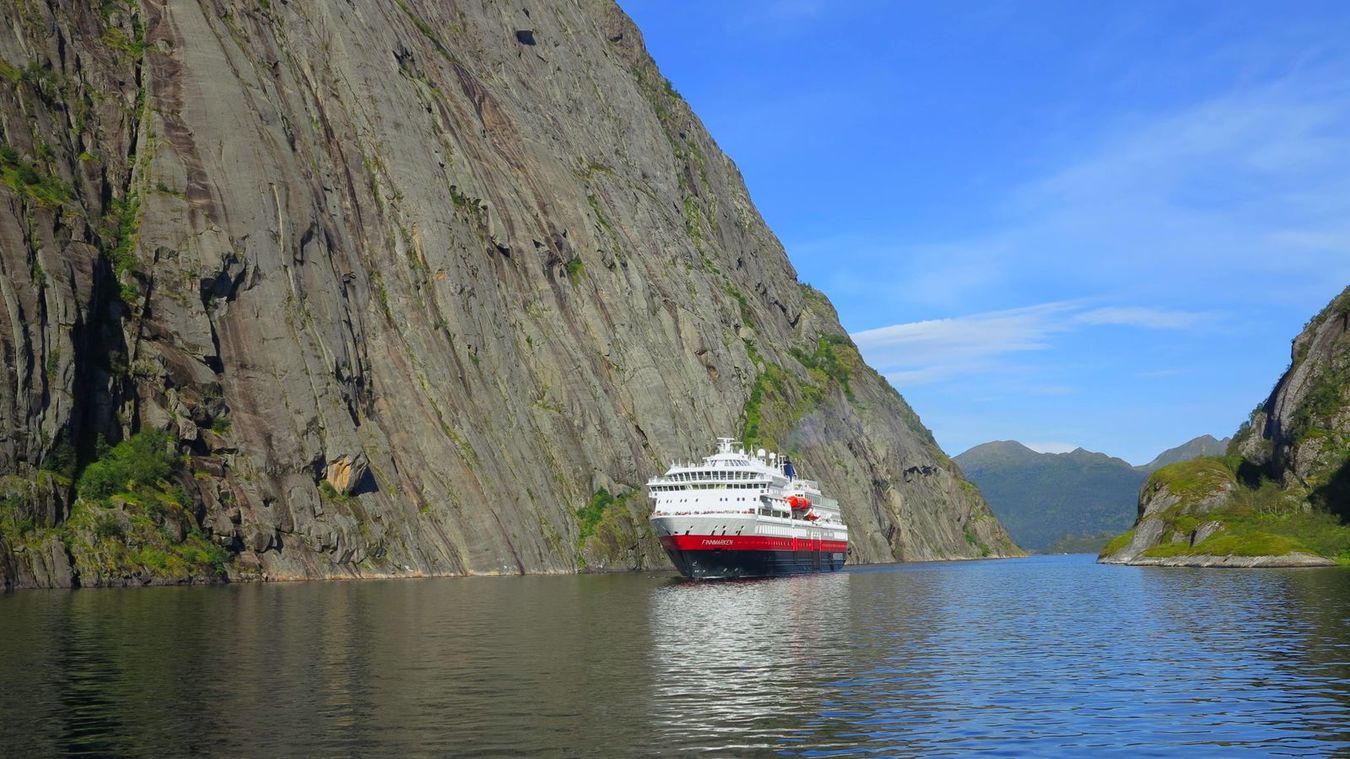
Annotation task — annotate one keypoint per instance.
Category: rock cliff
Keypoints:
(1281, 497)
(410, 285)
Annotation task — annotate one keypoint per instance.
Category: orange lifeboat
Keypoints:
(798, 503)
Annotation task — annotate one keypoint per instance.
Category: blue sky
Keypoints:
(1063, 223)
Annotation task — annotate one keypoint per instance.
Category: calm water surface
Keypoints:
(1051, 655)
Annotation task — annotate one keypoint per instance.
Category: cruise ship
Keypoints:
(743, 513)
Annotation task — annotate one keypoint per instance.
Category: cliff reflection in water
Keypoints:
(1045, 656)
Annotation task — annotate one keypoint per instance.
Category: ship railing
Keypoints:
(711, 513)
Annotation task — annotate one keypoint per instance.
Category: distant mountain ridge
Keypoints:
(1205, 445)
(1060, 501)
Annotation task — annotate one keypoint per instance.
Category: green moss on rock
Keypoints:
(610, 535)
(1192, 480)
(1117, 543)
(29, 180)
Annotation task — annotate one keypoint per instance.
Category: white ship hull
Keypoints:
(744, 515)
(747, 545)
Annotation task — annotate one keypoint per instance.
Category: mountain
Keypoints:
(398, 287)
(1281, 496)
(1066, 502)
(1205, 445)
(1045, 497)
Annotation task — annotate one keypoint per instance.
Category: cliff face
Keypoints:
(410, 284)
(1301, 434)
(1281, 497)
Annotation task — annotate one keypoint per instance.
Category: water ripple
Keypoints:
(1048, 656)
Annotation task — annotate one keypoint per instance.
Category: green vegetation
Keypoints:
(1193, 480)
(693, 221)
(330, 493)
(770, 379)
(1264, 520)
(974, 541)
(147, 535)
(776, 390)
(131, 522)
(601, 219)
(140, 460)
(1260, 526)
(133, 46)
(747, 315)
(608, 530)
(30, 181)
(42, 81)
(1079, 543)
(121, 230)
(589, 516)
(427, 31)
(575, 268)
(1043, 497)
(1117, 543)
(827, 362)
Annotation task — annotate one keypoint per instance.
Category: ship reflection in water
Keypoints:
(740, 665)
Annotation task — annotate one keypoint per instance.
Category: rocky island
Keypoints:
(1281, 496)
(396, 288)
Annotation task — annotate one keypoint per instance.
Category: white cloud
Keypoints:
(1154, 318)
(929, 351)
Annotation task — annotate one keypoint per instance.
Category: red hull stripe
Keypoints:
(750, 543)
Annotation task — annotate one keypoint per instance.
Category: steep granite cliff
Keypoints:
(1281, 497)
(413, 287)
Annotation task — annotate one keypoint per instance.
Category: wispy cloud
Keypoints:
(933, 350)
(1241, 195)
(1153, 318)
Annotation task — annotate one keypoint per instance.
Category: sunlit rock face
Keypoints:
(408, 283)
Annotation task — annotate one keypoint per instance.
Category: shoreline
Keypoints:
(1291, 560)
(249, 579)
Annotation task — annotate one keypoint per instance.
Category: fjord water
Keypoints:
(1040, 656)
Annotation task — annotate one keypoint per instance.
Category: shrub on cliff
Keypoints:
(142, 459)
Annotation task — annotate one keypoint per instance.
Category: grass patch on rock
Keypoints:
(1193, 480)
(1246, 531)
(828, 361)
(1117, 543)
(31, 181)
(609, 534)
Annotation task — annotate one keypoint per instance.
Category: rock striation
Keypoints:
(1281, 497)
(409, 284)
